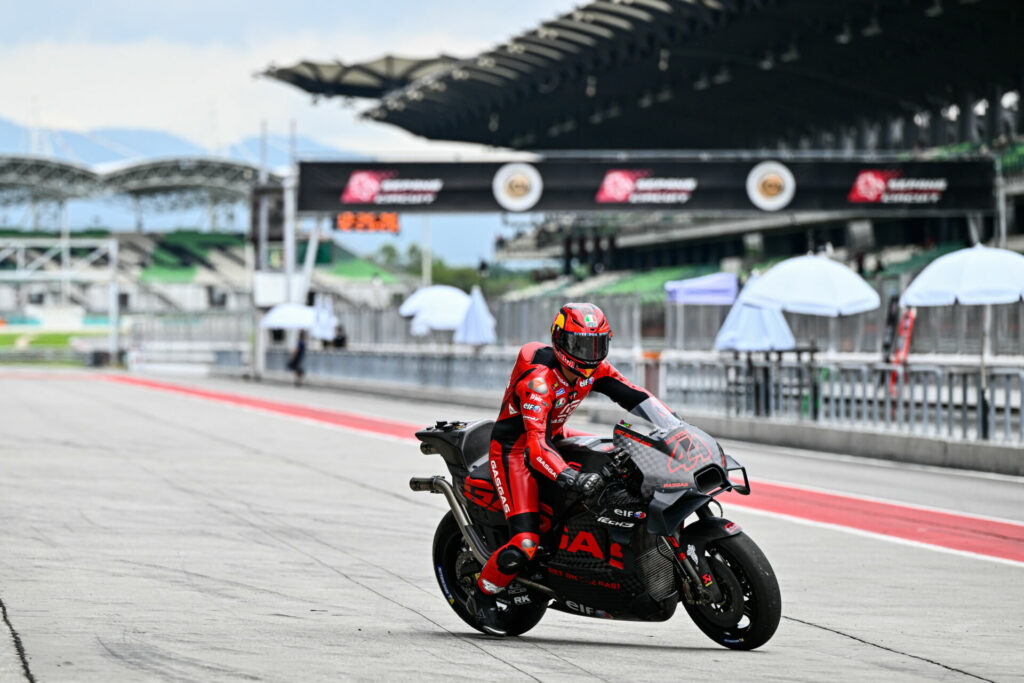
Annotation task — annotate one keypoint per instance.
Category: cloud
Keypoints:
(207, 92)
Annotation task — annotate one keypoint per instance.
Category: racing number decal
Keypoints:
(687, 452)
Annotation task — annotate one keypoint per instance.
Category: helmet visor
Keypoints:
(589, 348)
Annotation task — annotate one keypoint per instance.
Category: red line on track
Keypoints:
(932, 527)
(361, 423)
(945, 529)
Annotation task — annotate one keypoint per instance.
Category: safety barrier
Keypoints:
(927, 400)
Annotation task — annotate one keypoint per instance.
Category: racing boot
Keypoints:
(485, 608)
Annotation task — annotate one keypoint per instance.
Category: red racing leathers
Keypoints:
(537, 403)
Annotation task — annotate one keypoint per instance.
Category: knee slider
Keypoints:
(511, 560)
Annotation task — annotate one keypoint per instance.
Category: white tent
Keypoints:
(477, 326)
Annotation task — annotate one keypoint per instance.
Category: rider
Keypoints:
(546, 386)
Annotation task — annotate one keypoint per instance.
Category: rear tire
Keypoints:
(456, 571)
(737, 562)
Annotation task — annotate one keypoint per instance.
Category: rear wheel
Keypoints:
(456, 570)
(751, 605)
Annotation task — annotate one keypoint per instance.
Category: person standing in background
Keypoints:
(298, 356)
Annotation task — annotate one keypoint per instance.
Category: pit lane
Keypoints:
(162, 535)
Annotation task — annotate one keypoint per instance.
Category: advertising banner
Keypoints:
(596, 184)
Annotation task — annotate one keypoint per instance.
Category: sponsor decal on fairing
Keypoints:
(614, 522)
(586, 609)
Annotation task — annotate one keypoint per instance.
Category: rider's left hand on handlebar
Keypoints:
(584, 483)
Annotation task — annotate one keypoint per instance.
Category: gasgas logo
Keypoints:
(501, 489)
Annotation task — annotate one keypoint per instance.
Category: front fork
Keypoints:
(696, 577)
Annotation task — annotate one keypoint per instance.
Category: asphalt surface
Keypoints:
(155, 536)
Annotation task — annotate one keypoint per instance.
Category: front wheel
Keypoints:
(751, 606)
(456, 570)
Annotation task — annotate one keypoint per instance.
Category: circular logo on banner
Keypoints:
(770, 186)
(517, 186)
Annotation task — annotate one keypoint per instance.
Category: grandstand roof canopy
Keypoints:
(716, 73)
(368, 79)
(220, 178)
(176, 182)
(29, 177)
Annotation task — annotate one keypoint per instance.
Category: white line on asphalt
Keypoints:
(881, 537)
(889, 501)
(874, 462)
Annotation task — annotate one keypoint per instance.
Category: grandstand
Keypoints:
(189, 271)
(921, 78)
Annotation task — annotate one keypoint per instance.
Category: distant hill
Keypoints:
(106, 145)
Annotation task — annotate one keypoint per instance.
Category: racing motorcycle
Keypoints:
(647, 542)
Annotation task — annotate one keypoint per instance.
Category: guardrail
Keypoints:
(927, 400)
(948, 402)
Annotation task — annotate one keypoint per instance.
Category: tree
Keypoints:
(388, 257)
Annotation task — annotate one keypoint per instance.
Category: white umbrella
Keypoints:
(289, 316)
(752, 328)
(813, 285)
(972, 276)
(978, 275)
(477, 327)
(438, 307)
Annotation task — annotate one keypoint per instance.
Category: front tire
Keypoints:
(752, 604)
(456, 570)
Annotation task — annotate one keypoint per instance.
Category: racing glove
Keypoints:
(584, 483)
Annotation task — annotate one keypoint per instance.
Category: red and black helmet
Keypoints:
(580, 337)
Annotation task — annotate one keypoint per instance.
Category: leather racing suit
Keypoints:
(536, 405)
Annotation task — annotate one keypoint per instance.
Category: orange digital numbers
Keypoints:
(367, 221)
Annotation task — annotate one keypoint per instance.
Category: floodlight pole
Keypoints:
(113, 311)
(426, 258)
(289, 233)
(263, 206)
(65, 255)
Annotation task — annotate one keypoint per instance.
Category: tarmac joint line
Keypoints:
(887, 649)
(18, 646)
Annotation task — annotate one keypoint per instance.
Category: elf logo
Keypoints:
(586, 609)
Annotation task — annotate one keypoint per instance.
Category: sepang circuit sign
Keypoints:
(387, 189)
(635, 182)
(640, 186)
(876, 186)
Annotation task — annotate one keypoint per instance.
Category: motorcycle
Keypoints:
(627, 553)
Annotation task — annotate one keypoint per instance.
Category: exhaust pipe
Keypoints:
(438, 484)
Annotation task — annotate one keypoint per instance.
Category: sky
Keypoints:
(188, 66)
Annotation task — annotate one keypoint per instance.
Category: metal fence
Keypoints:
(207, 327)
(484, 371)
(927, 400)
(516, 322)
(941, 330)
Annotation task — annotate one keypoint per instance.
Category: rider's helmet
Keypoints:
(580, 337)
